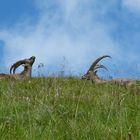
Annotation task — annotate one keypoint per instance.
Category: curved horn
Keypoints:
(92, 67)
(31, 60)
(100, 66)
(17, 64)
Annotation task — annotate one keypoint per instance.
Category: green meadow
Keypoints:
(68, 109)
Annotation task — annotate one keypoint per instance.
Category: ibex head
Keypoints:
(27, 63)
(92, 72)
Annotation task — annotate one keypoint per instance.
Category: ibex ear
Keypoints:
(95, 72)
(25, 65)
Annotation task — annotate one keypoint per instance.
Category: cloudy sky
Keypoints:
(71, 33)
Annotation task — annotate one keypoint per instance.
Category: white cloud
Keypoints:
(63, 29)
(132, 5)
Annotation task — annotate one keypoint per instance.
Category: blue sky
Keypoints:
(77, 30)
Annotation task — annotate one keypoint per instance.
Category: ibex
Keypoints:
(92, 74)
(26, 73)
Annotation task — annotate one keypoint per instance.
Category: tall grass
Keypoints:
(68, 109)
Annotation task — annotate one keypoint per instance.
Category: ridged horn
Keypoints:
(30, 61)
(92, 67)
(16, 65)
(100, 66)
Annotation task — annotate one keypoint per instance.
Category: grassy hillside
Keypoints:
(68, 109)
